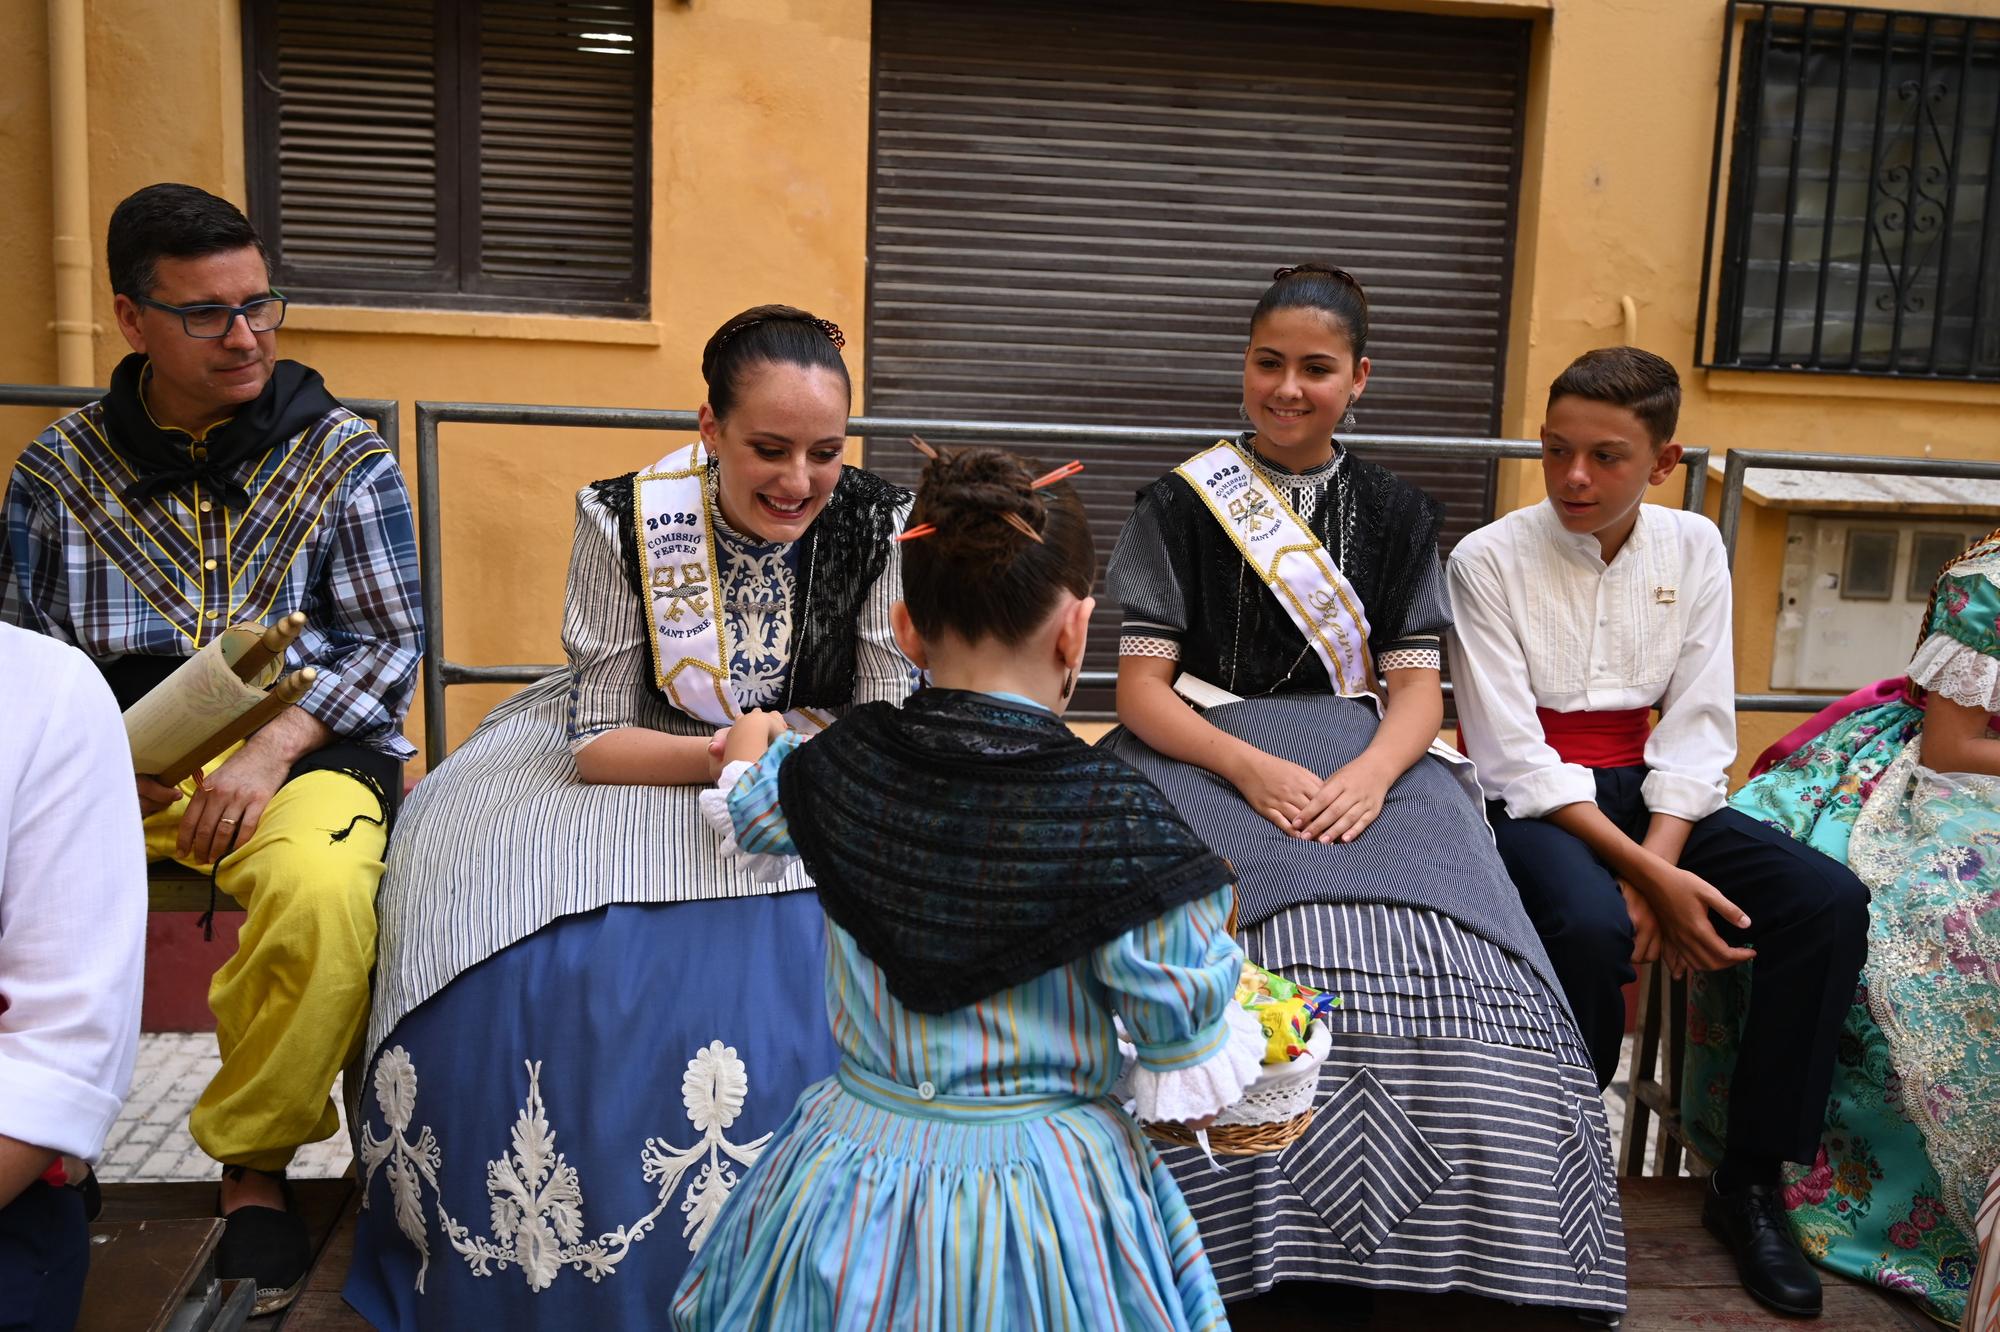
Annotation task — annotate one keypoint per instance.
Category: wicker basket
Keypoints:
(1275, 1110)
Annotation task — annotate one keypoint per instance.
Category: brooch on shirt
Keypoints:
(1663, 596)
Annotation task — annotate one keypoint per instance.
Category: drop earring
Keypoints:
(1347, 421)
(1069, 683)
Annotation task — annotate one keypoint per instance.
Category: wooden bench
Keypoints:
(152, 1261)
(1653, 1088)
(175, 887)
(159, 1276)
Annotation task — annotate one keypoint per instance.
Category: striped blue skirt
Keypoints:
(872, 1212)
(548, 1140)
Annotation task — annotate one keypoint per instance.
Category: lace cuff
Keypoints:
(1145, 645)
(1943, 665)
(1411, 659)
(1200, 1090)
(714, 805)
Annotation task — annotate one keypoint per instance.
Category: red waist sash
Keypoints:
(1598, 739)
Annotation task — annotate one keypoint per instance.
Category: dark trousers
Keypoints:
(1808, 924)
(44, 1253)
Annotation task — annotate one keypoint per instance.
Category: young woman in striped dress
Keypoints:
(1458, 1104)
(996, 891)
(570, 1067)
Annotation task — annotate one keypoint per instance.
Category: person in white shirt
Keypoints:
(1573, 620)
(72, 945)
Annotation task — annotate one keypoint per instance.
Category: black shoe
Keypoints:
(1751, 1221)
(267, 1247)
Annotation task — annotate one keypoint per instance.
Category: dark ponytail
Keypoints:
(766, 334)
(978, 575)
(1331, 291)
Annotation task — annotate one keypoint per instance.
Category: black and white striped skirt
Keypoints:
(1459, 1141)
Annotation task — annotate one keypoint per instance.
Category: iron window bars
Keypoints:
(1861, 223)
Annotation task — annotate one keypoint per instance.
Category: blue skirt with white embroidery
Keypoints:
(547, 1140)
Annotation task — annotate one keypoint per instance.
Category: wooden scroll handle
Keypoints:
(273, 644)
(283, 694)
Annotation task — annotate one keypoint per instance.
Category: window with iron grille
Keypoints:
(1861, 232)
(442, 154)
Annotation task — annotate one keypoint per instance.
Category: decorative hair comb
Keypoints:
(1020, 524)
(1063, 473)
(832, 331)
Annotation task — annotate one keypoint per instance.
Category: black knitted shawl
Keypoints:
(842, 555)
(1239, 636)
(969, 845)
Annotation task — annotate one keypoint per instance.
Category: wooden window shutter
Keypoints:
(354, 149)
(490, 155)
(561, 178)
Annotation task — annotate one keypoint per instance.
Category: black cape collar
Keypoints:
(970, 845)
(161, 457)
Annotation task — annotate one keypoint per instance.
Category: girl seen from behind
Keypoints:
(996, 891)
(1284, 574)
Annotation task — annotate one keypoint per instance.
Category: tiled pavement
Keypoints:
(150, 1140)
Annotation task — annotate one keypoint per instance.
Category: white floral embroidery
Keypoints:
(712, 1089)
(536, 1196)
(396, 1094)
(757, 607)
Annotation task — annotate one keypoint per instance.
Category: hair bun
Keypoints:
(975, 497)
(1312, 266)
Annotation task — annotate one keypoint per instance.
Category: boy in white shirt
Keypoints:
(72, 949)
(1573, 620)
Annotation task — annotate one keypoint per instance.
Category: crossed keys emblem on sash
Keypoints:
(689, 596)
(1253, 511)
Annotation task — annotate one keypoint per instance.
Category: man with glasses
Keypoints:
(214, 485)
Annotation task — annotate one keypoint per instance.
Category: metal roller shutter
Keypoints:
(1075, 207)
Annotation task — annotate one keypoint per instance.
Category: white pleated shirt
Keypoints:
(1540, 620)
(72, 899)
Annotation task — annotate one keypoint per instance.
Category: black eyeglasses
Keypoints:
(214, 321)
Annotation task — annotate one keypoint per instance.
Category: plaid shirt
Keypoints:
(327, 532)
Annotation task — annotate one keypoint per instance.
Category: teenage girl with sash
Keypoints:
(1272, 579)
(996, 890)
(586, 1024)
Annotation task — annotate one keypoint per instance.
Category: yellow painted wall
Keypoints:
(760, 193)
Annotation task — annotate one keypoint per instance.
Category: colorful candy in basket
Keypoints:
(1283, 1008)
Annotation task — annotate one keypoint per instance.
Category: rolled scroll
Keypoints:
(287, 692)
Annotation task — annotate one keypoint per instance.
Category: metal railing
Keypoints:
(440, 672)
(385, 414)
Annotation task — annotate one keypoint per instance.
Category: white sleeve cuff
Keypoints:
(1216, 1083)
(1545, 790)
(1688, 798)
(47, 1108)
(1970, 678)
(714, 804)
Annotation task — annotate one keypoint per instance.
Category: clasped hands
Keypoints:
(1671, 922)
(1312, 808)
(754, 732)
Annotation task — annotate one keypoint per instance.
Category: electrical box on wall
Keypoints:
(1853, 594)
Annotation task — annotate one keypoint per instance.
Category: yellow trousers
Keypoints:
(291, 1004)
